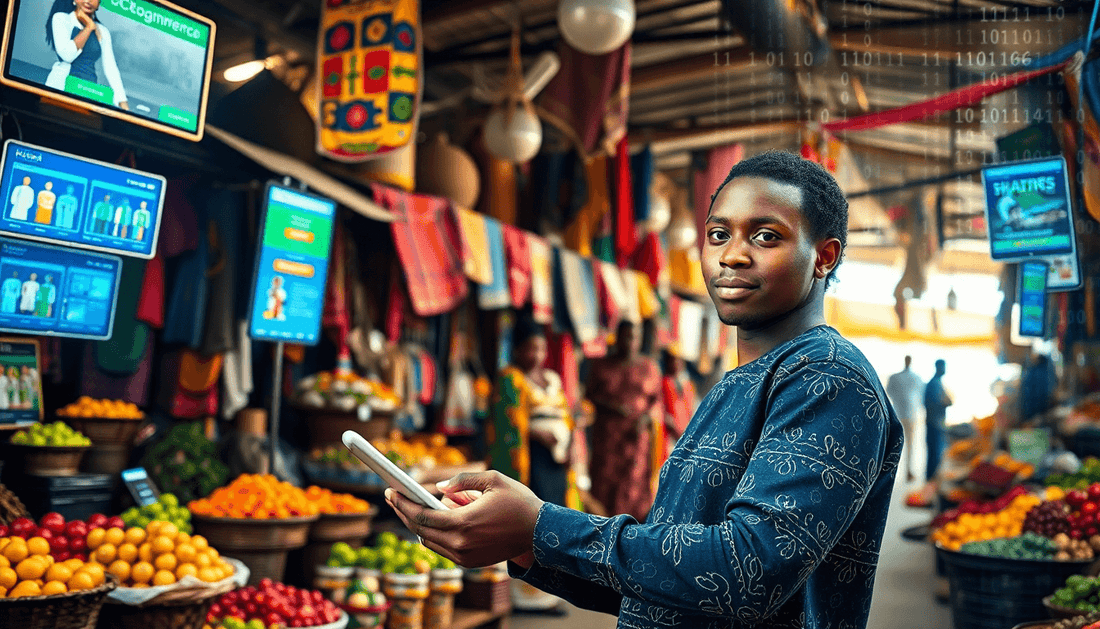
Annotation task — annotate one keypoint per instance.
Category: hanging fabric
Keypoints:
(133, 387)
(649, 305)
(183, 320)
(586, 225)
(542, 299)
(631, 310)
(496, 294)
(641, 178)
(476, 261)
(689, 331)
(720, 160)
(151, 302)
(369, 69)
(588, 99)
(613, 300)
(649, 258)
(427, 243)
(626, 237)
(335, 314)
(222, 234)
(122, 353)
(575, 275)
(237, 381)
(519, 265)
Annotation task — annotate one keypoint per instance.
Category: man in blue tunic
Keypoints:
(771, 507)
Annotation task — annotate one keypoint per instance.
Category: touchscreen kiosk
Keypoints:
(55, 291)
(57, 197)
(1032, 297)
(147, 62)
(1028, 211)
(292, 265)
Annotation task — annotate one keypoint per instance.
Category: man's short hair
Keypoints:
(823, 202)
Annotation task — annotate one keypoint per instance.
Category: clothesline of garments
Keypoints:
(443, 249)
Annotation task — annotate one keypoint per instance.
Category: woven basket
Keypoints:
(49, 460)
(338, 527)
(227, 534)
(181, 608)
(104, 430)
(72, 610)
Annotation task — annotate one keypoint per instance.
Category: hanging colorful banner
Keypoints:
(368, 58)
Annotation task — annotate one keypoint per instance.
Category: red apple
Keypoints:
(76, 528)
(78, 544)
(273, 619)
(44, 533)
(3, 530)
(59, 543)
(116, 522)
(53, 521)
(62, 555)
(23, 527)
(97, 521)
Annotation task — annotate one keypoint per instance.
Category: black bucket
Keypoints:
(994, 592)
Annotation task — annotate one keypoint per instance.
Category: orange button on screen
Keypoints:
(293, 268)
(300, 235)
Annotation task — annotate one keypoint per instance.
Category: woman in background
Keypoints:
(80, 40)
(625, 388)
(529, 437)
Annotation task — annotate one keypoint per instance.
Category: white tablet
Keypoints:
(394, 476)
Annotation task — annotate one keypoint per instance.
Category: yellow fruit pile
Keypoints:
(159, 554)
(27, 569)
(107, 409)
(973, 527)
(425, 451)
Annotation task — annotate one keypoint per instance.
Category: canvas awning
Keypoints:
(296, 169)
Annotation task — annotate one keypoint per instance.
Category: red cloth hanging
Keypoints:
(562, 358)
(649, 258)
(395, 308)
(625, 236)
(335, 314)
(427, 242)
(955, 99)
(151, 302)
(518, 255)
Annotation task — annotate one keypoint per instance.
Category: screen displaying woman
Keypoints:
(80, 40)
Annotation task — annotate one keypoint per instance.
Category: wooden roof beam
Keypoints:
(694, 68)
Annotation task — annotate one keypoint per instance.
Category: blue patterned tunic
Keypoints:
(770, 509)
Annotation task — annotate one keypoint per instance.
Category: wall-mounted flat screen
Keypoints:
(20, 381)
(57, 197)
(1028, 211)
(292, 266)
(56, 291)
(1032, 297)
(145, 61)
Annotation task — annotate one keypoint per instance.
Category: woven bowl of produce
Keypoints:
(337, 527)
(48, 460)
(180, 608)
(71, 610)
(106, 430)
(253, 534)
(1061, 611)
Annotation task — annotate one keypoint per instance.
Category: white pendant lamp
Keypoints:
(516, 140)
(513, 131)
(596, 27)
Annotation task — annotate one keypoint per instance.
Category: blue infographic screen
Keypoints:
(1033, 298)
(292, 266)
(57, 197)
(1028, 210)
(54, 291)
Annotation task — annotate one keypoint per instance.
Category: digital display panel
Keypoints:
(145, 61)
(140, 486)
(20, 381)
(54, 291)
(1028, 211)
(1032, 297)
(57, 197)
(292, 266)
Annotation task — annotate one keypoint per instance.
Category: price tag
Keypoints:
(140, 485)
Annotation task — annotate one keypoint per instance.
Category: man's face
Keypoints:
(758, 256)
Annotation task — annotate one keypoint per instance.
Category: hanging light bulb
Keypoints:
(660, 213)
(513, 131)
(596, 27)
(516, 140)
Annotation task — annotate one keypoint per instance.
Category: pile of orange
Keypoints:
(329, 502)
(27, 569)
(974, 527)
(159, 554)
(255, 496)
(107, 409)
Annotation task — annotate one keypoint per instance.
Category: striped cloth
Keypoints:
(542, 287)
(577, 284)
(519, 265)
(495, 295)
(475, 245)
(427, 243)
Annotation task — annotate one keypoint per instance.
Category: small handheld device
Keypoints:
(394, 476)
(1032, 297)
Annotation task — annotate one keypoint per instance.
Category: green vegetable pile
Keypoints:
(390, 554)
(1080, 593)
(1081, 479)
(167, 509)
(1026, 546)
(185, 463)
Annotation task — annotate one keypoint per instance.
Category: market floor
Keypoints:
(903, 588)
